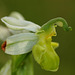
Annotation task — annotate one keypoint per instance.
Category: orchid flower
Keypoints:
(30, 37)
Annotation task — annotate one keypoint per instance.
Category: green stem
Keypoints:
(22, 64)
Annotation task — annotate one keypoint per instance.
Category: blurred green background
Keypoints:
(40, 11)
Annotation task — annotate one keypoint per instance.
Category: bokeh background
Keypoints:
(40, 11)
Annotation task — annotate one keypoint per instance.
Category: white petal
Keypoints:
(16, 24)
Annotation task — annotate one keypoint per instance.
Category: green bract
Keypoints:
(31, 37)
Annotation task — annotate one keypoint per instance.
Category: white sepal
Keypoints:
(20, 43)
(4, 33)
(16, 24)
(16, 15)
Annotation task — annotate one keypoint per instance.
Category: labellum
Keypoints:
(44, 50)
